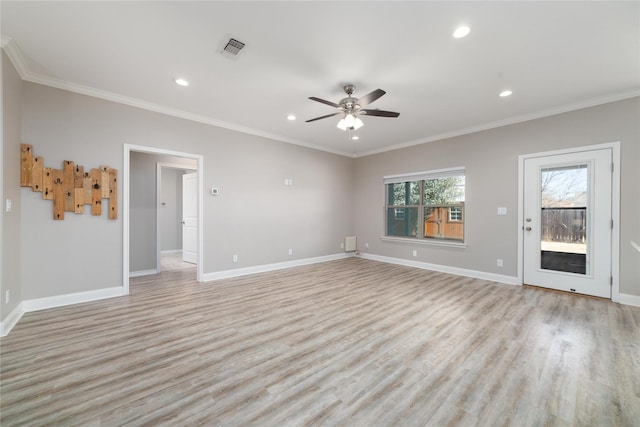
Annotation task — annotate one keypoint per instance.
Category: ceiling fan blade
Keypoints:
(370, 97)
(323, 101)
(379, 113)
(322, 117)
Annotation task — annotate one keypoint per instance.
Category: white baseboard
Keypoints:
(510, 280)
(171, 251)
(68, 299)
(628, 299)
(11, 320)
(53, 302)
(143, 273)
(236, 272)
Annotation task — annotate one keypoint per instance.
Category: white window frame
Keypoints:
(419, 176)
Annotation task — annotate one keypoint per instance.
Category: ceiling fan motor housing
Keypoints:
(350, 103)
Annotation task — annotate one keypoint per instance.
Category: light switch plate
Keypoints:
(502, 211)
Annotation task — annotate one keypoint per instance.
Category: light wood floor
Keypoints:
(173, 261)
(351, 342)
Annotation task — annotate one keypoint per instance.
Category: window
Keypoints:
(455, 214)
(426, 205)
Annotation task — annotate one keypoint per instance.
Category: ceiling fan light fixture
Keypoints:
(349, 120)
(357, 123)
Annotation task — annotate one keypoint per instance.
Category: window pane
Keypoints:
(439, 225)
(428, 208)
(563, 218)
(403, 193)
(402, 222)
(440, 191)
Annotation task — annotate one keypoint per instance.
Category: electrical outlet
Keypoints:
(366, 246)
(235, 258)
(290, 251)
(499, 263)
(341, 245)
(415, 253)
(7, 297)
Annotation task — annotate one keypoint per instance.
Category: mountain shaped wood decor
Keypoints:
(70, 188)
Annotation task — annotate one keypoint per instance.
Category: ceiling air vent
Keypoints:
(233, 47)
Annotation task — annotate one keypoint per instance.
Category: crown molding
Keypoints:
(15, 55)
(510, 121)
(162, 109)
(20, 63)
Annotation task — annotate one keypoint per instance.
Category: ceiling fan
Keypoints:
(350, 108)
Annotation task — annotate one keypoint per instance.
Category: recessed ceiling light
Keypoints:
(505, 93)
(182, 82)
(461, 32)
(355, 137)
(291, 117)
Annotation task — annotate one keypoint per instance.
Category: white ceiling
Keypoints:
(555, 56)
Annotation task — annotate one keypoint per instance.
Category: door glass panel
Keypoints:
(564, 198)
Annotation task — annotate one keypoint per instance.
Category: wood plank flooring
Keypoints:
(350, 342)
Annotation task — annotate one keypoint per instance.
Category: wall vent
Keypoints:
(233, 47)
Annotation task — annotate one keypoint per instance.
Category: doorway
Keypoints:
(170, 222)
(567, 220)
(126, 211)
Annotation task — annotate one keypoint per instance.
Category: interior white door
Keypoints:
(567, 222)
(190, 218)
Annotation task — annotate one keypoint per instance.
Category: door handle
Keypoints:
(182, 222)
(527, 228)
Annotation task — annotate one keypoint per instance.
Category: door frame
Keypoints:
(615, 208)
(159, 166)
(126, 173)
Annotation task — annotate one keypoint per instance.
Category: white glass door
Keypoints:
(567, 222)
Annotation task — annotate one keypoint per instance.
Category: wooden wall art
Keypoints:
(70, 188)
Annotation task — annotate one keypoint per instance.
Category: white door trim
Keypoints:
(126, 173)
(615, 209)
(159, 166)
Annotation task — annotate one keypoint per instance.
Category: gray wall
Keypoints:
(142, 208)
(491, 161)
(10, 222)
(256, 216)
